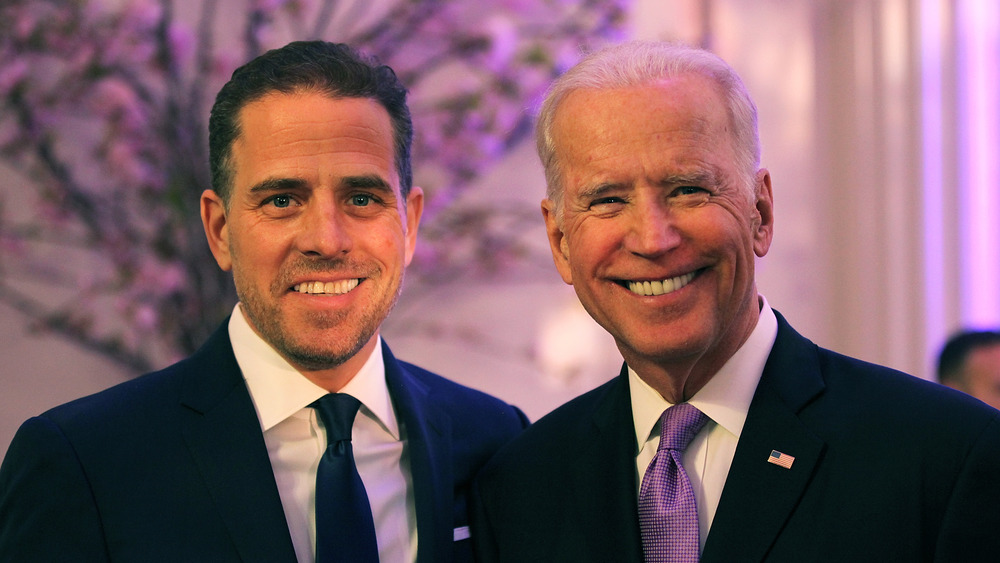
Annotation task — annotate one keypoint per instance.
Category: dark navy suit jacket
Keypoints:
(887, 468)
(172, 466)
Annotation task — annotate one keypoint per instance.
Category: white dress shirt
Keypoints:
(725, 399)
(296, 440)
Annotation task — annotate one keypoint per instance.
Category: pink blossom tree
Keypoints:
(103, 112)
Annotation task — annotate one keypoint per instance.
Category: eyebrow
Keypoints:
(369, 181)
(599, 190)
(700, 178)
(278, 184)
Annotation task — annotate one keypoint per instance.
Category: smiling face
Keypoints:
(316, 232)
(658, 230)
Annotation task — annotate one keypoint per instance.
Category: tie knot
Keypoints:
(678, 426)
(337, 411)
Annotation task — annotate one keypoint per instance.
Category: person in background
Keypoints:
(293, 434)
(727, 436)
(970, 362)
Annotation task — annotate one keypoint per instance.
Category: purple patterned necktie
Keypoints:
(668, 514)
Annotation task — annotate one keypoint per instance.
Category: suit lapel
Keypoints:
(429, 447)
(758, 496)
(220, 426)
(606, 521)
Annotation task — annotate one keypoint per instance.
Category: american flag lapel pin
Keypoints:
(783, 460)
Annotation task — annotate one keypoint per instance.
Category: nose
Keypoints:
(653, 230)
(324, 230)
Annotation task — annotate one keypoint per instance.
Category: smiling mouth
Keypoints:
(327, 288)
(659, 287)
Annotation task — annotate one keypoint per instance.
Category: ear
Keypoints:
(215, 221)
(414, 210)
(557, 240)
(764, 219)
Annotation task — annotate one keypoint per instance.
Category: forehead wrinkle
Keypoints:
(364, 132)
(319, 144)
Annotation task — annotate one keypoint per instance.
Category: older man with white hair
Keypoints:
(727, 435)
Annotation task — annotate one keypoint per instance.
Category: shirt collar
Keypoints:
(727, 395)
(279, 390)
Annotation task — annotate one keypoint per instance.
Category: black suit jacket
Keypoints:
(887, 468)
(172, 466)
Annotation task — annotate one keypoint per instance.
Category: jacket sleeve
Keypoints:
(47, 511)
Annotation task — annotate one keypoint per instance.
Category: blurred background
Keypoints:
(880, 124)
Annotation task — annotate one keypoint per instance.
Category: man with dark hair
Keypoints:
(970, 362)
(293, 434)
(727, 436)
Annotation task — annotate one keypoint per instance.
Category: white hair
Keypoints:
(636, 63)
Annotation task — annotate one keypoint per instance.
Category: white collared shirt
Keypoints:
(726, 400)
(296, 440)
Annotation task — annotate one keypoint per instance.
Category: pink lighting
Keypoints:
(932, 122)
(979, 97)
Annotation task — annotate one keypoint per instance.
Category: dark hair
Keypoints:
(334, 69)
(953, 354)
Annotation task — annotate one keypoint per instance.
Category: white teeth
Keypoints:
(660, 287)
(336, 288)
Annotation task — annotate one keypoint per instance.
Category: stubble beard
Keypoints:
(269, 322)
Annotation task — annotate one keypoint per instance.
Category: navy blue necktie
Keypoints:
(345, 530)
